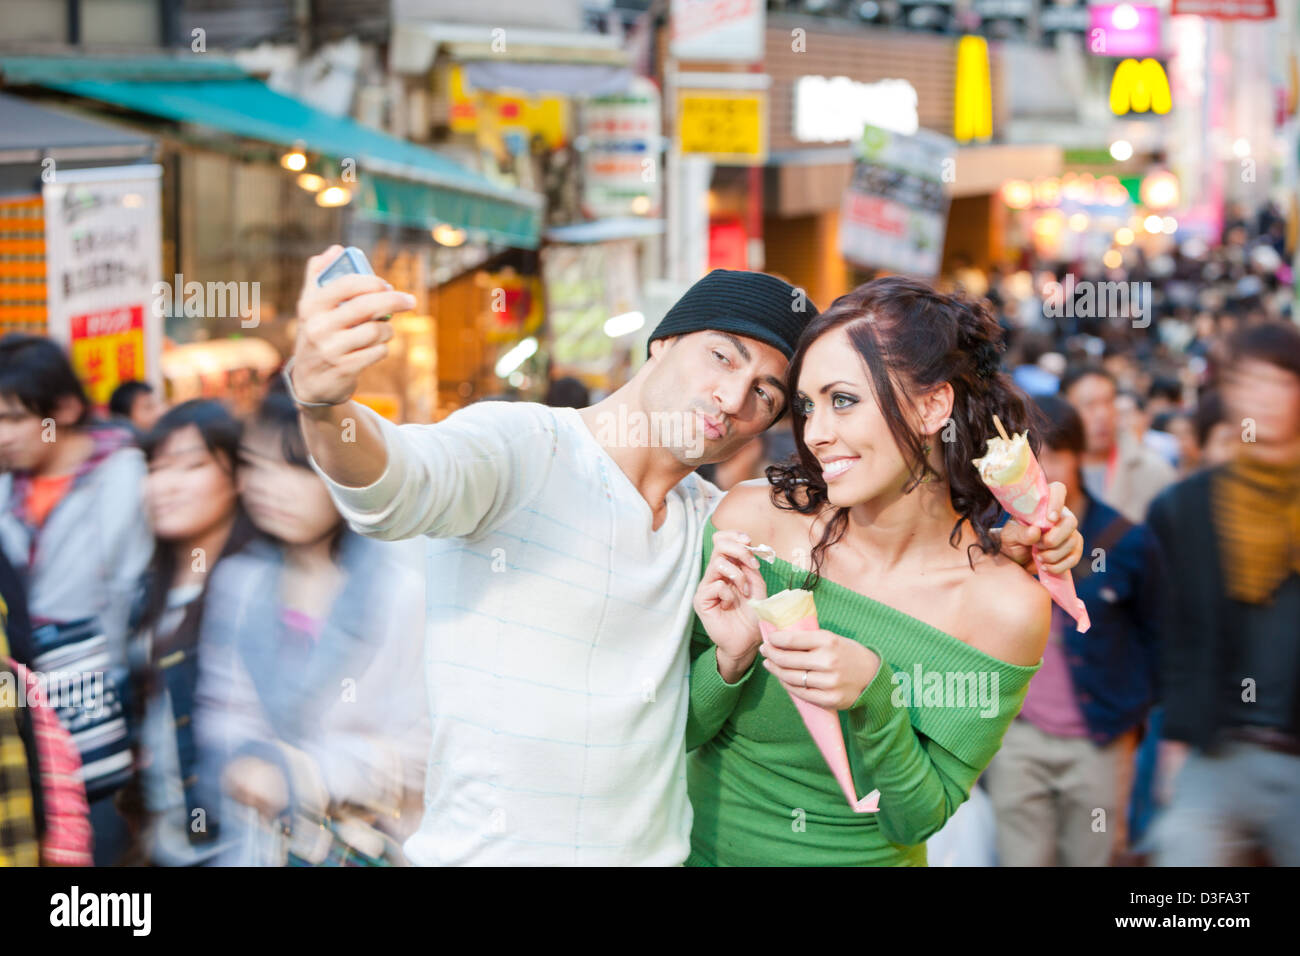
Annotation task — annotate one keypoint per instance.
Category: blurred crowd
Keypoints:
(257, 699)
(298, 736)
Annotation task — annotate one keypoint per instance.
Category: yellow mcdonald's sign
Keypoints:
(972, 111)
(1140, 87)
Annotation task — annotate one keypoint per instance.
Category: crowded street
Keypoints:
(613, 433)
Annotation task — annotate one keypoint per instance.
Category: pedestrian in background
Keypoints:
(311, 715)
(72, 523)
(1069, 753)
(198, 521)
(135, 405)
(1117, 468)
(1231, 686)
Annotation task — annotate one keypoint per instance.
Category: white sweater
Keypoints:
(557, 632)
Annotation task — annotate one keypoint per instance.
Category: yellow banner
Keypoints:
(487, 112)
(728, 126)
(108, 349)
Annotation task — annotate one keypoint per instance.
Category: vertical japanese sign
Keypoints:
(895, 211)
(103, 254)
(621, 172)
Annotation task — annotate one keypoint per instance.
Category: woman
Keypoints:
(929, 636)
(194, 509)
(311, 715)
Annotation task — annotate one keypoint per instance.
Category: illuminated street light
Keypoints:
(446, 234)
(1121, 150)
(333, 196)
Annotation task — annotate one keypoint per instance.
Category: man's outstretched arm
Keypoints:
(459, 477)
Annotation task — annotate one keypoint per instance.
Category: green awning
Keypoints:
(398, 182)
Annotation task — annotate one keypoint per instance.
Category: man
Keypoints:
(135, 405)
(1231, 686)
(1117, 468)
(72, 523)
(1069, 753)
(566, 556)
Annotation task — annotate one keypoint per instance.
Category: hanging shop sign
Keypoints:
(972, 114)
(103, 255)
(1139, 86)
(728, 126)
(717, 29)
(1124, 29)
(517, 119)
(621, 174)
(1225, 9)
(834, 109)
(895, 211)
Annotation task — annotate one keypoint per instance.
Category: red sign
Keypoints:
(1225, 9)
(107, 349)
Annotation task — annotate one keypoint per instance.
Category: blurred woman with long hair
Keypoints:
(193, 502)
(312, 718)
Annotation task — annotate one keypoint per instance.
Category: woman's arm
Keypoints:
(718, 675)
(712, 699)
(921, 784)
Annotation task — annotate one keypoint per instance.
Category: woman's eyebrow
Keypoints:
(839, 381)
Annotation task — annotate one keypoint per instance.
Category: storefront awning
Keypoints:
(532, 61)
(431, 187)
(33, 133)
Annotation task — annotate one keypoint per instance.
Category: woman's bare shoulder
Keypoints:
(748, 507)
(1007, 614)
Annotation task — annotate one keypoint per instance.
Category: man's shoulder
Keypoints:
(508, 415)
(1183, 502)
(522, 427)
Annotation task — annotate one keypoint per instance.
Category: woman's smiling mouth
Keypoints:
(836, 467)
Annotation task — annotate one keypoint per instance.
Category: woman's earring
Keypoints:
(930, 474)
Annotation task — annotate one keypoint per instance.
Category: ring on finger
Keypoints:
(805, 679)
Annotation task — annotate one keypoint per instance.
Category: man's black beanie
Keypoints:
(752, 304)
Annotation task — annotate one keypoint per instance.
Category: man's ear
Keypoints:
(658, 345)
(68, 410)
(935, 408)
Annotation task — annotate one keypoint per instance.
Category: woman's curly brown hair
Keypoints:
(912, 339)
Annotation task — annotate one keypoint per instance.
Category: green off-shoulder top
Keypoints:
(921, 733)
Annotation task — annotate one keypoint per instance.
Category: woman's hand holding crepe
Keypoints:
(730, 581)
(820, 667)
(1060, 547)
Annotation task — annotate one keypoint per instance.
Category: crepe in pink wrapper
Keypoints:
(794, 610)
(1013, 474)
